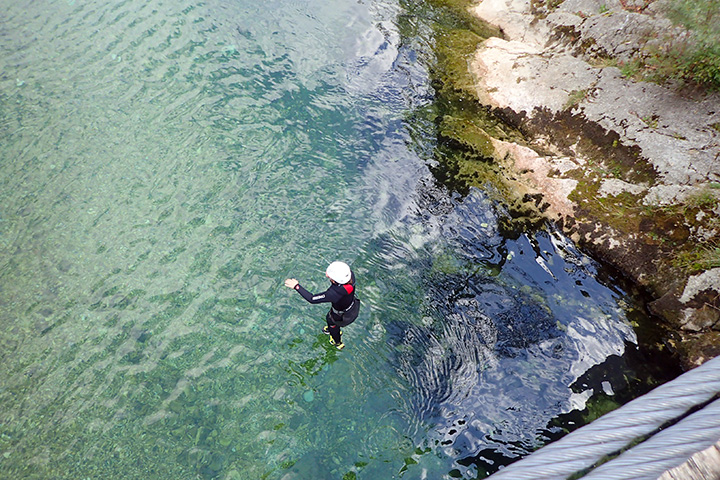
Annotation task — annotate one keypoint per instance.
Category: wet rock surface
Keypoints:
(631, 170)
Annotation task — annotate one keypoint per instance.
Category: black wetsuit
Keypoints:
(344, 305)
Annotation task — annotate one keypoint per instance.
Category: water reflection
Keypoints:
(495, 336)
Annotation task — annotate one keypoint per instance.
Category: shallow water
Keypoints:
(166, 165)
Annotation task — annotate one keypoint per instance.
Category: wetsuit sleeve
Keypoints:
(328, 295)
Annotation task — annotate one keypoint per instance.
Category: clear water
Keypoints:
(165, 165)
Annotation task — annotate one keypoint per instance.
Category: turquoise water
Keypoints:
(166, 165)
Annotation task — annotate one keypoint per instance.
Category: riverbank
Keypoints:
(630, 170)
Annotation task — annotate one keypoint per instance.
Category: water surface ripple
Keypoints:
(165, 165)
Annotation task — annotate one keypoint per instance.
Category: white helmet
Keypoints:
(339, 272)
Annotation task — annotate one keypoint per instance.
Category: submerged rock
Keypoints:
(309, 396)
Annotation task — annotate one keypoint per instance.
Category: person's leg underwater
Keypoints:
(334, 331)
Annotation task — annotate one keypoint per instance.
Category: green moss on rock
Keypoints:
(466, 153)
(468, 136)
(454, 50)
(456, 14)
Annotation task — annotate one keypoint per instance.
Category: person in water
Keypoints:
(341, 295)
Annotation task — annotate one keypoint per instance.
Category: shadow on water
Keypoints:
(506, 343)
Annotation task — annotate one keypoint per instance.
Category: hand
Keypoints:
(291, 283)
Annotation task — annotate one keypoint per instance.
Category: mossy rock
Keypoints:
(469, 137)
(454, 50)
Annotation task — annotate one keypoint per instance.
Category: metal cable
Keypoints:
(613, 432)
(665, 450)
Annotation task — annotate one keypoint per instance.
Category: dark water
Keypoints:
(166, 165)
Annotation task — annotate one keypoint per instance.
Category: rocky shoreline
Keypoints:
(630, 170)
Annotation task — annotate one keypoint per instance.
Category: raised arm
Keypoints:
(327, 296)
